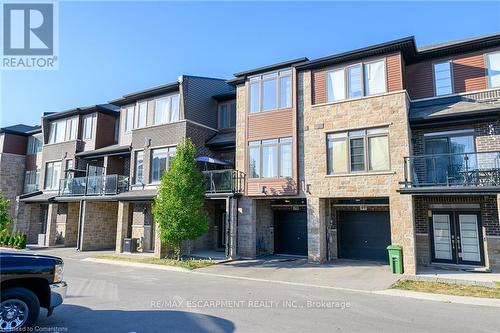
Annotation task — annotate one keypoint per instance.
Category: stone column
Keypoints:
(316, 230)
(247, 231)
(232, 211)
(161, 250)
(50, 234)
(122, 224)
(403, 229)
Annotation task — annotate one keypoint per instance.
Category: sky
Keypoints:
(108, 49)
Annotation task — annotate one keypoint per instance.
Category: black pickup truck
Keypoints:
(28, 282)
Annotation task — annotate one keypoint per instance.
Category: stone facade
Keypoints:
(264, 227)
(100, 226)
(11, 178)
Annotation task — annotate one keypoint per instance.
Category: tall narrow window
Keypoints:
(374, 77)
(254, 97)
(442, 78)
(174, 108)
(335, 85)
(34, 145)
(129, 121)
(161, 110)
(223, 116)
(52, 175)
(52, 132)
(285, 91)
(71, 128)
(270, 158)
(286, 157)
(60, 130)
(269, 93)
(354, 81)
(493, 65)
(378, 149)
(254, 159)
(357, 154)
(139, 167)
(142, 114)
(87, 127)
(337, 153)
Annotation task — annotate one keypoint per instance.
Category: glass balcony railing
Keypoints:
(30, 188)
(224, 181)
(464, 169)
(93, 185)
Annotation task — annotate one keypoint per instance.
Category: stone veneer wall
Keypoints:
(11, 178)
(142, 224)
(314, 122)
(264, 227)
(99, 231)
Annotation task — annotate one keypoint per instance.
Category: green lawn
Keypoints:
(448, 289)
(188, 263)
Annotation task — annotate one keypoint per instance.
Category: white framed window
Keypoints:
(443, 82)
(34, 145)
(142, 115)
(493, 67)
(227, 115)
(31, 181)
(57, 131)
(167, 109)
(139, 167)
(160, 161)
(270, 91)
(88, 122)
(71, 128)
(52, 175)
(358, 151)
(357, 80)
(129, 118)
(270, 158)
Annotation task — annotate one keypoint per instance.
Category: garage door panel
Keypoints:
(290, 232)
(364, 235)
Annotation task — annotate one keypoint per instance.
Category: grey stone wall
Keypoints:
(99, 231)
(11, 178)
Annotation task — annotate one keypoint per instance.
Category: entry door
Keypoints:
(456, 238)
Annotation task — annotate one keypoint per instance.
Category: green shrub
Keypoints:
(22, 244)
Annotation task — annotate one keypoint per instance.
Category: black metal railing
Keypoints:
(463, 169)
(224, 181)
(93, 185)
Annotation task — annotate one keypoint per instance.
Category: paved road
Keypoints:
(109, 298)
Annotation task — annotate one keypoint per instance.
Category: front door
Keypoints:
(456, 238)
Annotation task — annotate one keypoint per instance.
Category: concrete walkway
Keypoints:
(347, 274)
(434, 274)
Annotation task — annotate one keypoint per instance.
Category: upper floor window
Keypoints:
(227, 115)
(493, 65)
(87, 127)
(363, 79)
(129, 120)
(167, 109)
(139, 167)
(142, 114)
(160, 161)
(270, 91)
(71, 128)
(270, 158)
(31, 181)
(52, 175)
(442, 78)
(57, 131)
(358, 151)
(34, 145)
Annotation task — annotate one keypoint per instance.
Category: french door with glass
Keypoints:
(456, 237)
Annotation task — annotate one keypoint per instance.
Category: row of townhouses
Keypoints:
(336, 157)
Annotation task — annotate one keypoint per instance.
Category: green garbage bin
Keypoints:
(396, 258)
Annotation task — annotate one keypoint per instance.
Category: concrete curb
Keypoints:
(487, 284)
(137, 264)
(492, 302)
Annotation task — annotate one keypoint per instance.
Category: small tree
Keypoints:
(178, 207)
(5, 218)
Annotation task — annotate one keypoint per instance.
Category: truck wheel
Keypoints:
(19, 308)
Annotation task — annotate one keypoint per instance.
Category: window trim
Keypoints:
(134, 178)
(434, 63)
(259, 79)
(228, 103)
(91, 117)
(448, 135)
(45, 175)
(169, 111)
(278, 145)
(150, 167)
(138, 114)
(486, 66)
(366, 152)
(127, 110)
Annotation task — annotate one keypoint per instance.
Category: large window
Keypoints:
(363, 79)
(493, 65)
(34, 145)
(57, 131)
(160, 161)
(139, 167)
(270, 158)
(442, 78)
(52, 175)
(227, 115)
(71, 128)
(142, 114)
(31, 181)
(87, 127)
(358, 151)
(270, 91)
(167, 110)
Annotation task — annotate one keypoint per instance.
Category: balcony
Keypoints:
(475, 172)
(224, 181)
(93, 185)
(30, 188)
